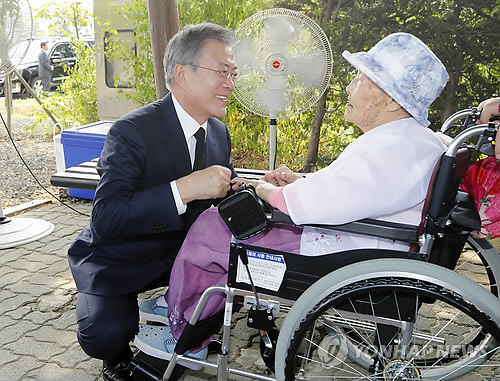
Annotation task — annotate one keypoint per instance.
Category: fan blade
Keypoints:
(277, 28)
(309, 69)
(244, 53)
(285, 63)
(276, 82)
(276, 101)
(279, 46)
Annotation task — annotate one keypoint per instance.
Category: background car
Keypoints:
(60, 53)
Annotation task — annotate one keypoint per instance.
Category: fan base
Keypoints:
(18, 231)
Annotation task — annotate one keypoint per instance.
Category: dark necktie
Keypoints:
(196, 207)
(199, 155)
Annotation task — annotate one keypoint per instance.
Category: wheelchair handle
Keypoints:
(459, 115)
(467, 134)
(471, 116)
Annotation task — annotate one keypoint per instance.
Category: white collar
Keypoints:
(188, 124)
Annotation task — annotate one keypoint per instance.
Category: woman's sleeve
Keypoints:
(277, 200)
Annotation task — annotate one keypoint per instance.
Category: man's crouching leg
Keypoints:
(106, 325)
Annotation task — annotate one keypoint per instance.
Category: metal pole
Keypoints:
(8, 100)
(33, 94)
(3, 219)
(273, 142)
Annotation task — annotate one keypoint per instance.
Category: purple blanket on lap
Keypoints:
(203, 261)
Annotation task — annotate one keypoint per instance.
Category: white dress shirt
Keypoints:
(189, 127)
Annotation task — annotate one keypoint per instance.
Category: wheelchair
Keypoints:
(369, 314)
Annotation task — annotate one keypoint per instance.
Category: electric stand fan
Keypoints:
(16, 26)
(285, 63)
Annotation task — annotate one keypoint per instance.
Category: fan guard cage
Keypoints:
(285, 61)
(16, 30)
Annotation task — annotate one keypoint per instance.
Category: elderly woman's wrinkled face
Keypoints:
(367, 103)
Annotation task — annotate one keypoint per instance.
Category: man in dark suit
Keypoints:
(157, 175)
(45, 69)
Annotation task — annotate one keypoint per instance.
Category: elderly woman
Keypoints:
(384, 174)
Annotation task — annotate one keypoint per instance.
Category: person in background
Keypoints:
(384, 174)
(45, 69)
(161, 166)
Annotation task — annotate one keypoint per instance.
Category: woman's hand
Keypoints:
(281, 176)
(262, 188)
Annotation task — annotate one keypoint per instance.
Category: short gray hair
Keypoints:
(185, 47)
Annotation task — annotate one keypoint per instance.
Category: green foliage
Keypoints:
(66, 18)
(463, 34)
(75, 102)
(139, 60)
(229, 13)
(249, 132)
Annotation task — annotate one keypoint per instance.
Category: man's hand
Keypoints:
(211, 182)
(281, 176)
(237, 181)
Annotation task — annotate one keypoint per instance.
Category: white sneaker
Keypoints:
(158, 341)
(154, 310)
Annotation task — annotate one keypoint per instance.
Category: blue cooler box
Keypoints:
(81, 144)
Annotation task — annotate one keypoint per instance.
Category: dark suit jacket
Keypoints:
(44, 71)
(135, 230)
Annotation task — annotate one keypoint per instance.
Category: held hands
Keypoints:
(281, 176)
(211, 182)
(262, 188)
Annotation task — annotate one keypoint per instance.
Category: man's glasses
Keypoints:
(224, 75)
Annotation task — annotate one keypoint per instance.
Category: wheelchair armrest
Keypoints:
(368, 226)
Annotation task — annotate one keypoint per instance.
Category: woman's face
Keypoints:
(367, 103)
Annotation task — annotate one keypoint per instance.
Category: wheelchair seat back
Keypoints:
(449, 215)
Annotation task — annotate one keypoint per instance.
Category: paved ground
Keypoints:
(37, 299)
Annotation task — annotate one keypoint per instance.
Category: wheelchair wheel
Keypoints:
(481, 263)
(389, 320)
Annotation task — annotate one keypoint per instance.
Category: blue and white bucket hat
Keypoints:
(406, 69)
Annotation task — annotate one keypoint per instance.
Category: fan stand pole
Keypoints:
(8, 100)
(18, 231)
(33, 94)
(273, 142)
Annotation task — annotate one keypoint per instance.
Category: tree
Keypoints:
(163, 24)
(68, 18)
(75, 103)
(190, 12)
(463, 34)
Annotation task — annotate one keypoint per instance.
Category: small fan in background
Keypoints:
(285, 64)
(16, 26)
